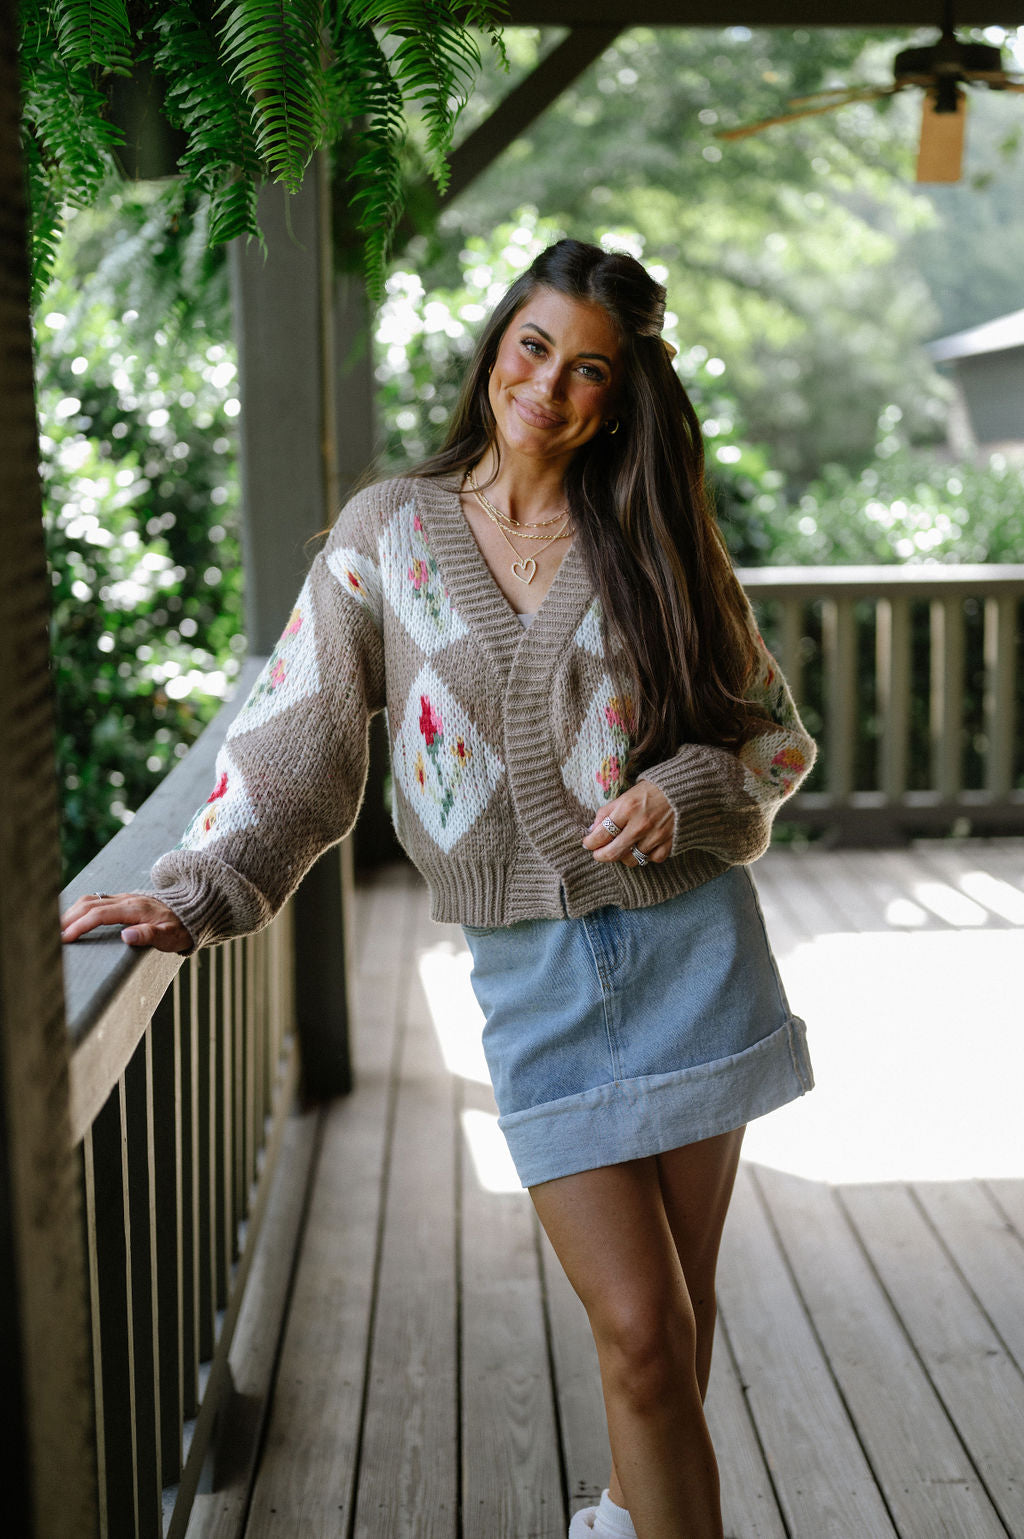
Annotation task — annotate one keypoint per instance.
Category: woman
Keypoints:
(589, 742)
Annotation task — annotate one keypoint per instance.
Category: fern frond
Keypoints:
(273, 50)
(433, 64)
(211, 110)
(66, 137)
(94, 32)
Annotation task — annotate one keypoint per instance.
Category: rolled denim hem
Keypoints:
(632, 1118)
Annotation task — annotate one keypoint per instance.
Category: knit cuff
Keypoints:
(713, 810)
(214, 902)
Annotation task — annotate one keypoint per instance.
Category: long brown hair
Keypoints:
(674, 616)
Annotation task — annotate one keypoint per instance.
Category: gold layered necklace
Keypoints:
(523, 567)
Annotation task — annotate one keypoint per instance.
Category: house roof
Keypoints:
(996, 336)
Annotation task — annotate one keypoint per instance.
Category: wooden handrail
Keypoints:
(110, 989)
(915, 580)
(928, 651)
(182, 1077)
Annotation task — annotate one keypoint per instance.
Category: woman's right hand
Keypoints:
(145, 921)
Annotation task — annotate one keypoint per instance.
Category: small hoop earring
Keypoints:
(612, 426)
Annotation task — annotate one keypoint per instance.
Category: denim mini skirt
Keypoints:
(629, 1032)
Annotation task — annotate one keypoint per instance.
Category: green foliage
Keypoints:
(248, 84)
(905, 506)
(210, 108)
(68, 143)
(96, 33)
(141, 510)
(273, 51)
(797, 256)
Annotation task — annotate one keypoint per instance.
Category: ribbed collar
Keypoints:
(477, 596)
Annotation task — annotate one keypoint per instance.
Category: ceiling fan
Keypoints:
(942, 69)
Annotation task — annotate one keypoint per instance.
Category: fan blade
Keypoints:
(940, 156)
(851, 94)
(790, 117)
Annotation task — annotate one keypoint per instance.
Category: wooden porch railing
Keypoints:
(182, 1076)
(912, 679)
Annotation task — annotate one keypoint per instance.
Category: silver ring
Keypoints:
(613, 828)
(99, 895)
(639, 856)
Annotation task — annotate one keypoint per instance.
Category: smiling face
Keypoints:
(556, 377)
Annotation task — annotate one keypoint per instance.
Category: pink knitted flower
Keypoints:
(294, 623)
(220, 788)
(607, 776)
(430, 722)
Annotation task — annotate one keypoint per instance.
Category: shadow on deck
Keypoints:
(435, 1377)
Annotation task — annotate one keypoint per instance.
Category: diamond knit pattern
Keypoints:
(291, 673)
(414, 585)
(595, 770)
(227, 810)
(588, 635)
(443, 765)
(358, 576)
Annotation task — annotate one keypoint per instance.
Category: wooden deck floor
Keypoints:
(436, 1380)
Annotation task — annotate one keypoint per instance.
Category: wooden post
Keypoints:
(47, 1454)
(285, 328)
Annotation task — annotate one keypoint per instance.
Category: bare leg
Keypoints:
(696, 1184)
(612, 1232)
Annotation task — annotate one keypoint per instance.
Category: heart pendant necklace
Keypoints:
(524, 568)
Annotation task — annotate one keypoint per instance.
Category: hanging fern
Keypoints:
(255, 87)
(274, 50)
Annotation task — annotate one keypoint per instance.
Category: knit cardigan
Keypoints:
(504, 740)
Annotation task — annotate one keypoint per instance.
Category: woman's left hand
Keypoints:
(645, 820)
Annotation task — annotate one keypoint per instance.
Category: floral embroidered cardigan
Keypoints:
(504, 741)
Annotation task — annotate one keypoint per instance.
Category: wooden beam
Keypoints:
(525, 103)
(756, 13)
(47, 1459)
(285, 306)
(521, 107)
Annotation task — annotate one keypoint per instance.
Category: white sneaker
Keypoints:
(582, 1525)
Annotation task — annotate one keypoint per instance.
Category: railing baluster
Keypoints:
(138, 1081)
(189, 982)
(250, 1023)
(223, 1073)
(839, 648)
(87, 1184)
(892, 651)
(208, 1125)
(1000, 661)
(171, 1228)
(258, 1008)
(240, 1129)
(791, 630)
(110, 1222)
(947, 690)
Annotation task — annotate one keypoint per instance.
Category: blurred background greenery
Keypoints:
(805, 274)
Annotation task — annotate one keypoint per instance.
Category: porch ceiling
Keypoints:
(758, 13)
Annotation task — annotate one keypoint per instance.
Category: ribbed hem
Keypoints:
(634, 1118)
